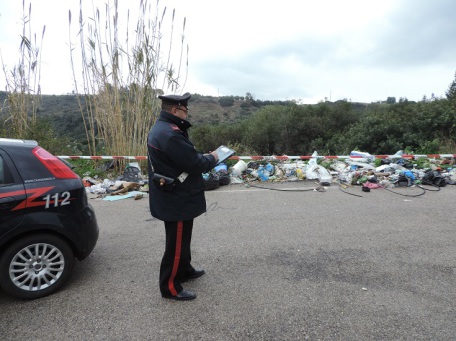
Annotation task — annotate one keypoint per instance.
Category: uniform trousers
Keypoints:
(175, 265)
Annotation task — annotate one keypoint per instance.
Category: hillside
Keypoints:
(65, 115)
(277, 127)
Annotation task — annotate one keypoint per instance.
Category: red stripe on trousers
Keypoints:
(177, 255)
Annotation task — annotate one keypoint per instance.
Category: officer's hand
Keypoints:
(215, 155)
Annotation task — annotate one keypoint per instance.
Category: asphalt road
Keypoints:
(281, 265)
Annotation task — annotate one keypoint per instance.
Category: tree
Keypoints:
(391, 100)
(451, 92)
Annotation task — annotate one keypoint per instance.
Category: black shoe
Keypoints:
(195, 274)
(184, 295)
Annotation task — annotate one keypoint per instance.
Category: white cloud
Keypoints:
(354, 49)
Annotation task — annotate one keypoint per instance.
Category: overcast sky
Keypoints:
(307, 50)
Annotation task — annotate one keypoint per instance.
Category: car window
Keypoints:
(6, 177)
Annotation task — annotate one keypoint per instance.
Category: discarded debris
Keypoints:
(120, 197)
(361, 169)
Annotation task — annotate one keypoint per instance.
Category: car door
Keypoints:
(12, 194)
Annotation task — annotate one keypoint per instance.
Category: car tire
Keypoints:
(35, 266)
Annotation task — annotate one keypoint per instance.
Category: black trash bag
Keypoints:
(132, 174)
(440, 181)
(433, 178)
(253, 165)
(211, 182)
(402, 181)
(224, 177)
(428, 178)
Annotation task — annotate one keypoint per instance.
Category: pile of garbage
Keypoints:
(129, 184)
(360, 169)
(219, 176)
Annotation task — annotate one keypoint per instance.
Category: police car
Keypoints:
(45, 220)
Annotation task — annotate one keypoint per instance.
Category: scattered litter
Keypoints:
(125, 196)
(316, 171)
(239, 167)
(126, 187)
(130, 180)
(360, 169)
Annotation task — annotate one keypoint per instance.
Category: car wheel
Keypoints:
(35, 266)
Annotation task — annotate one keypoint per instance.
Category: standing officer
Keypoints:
(176, 192)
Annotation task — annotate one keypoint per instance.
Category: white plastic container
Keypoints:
(239, 168)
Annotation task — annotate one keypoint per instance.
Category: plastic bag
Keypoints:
(211, 181)
(224, 177)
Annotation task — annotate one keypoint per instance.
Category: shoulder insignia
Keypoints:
(175, 127)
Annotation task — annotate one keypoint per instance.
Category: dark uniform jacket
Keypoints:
(171, 153)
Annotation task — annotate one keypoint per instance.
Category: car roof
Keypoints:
(17, 142)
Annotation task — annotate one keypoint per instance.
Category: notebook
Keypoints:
(223, 153)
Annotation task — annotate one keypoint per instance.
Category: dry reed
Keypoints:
(120, 78)
(23, 82)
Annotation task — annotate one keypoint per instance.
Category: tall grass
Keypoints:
(23, 83)
(122, 74)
